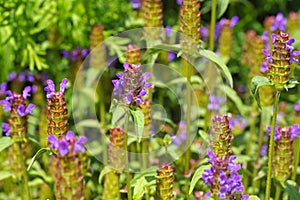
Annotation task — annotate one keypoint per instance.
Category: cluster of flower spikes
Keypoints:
(283, 150)
(225, 39)
(97, 47)
(222, 178)
(279, 59)
(57, 113)
(69, 179)
(153, 19)
(17, 126)
(165, 183)
(131, 86)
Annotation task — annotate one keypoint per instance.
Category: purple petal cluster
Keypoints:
(238, 122)
(76, 54)
(21, 109)
(50, 88)
(294, 131)
(214, 102)
(219, 26)
(23, 76)
(223, 176)
(131, 86)
(279, 24)
(6, 128)
(68, 143)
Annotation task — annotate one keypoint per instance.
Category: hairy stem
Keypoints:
(278, 192)
(126, 155)
(271, 146)
(296, 157)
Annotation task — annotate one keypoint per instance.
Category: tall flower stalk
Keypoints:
(190, 39)
(69, 178)
(17, 130)
(278, 63)
(165, 183)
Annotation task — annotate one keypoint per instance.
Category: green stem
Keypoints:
(271, 145)
(25, 192)
(103, 124)
(126, 155)
(256, 183)
(188, 135)
(145, 146)
(296, 157)
(278, 192)
(212, 25)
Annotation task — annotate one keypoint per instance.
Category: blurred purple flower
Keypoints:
(24, 110)
(6, 128)
(12, 76)
(279, 23)
(214, 102)
(219, 25)
(264, 150)
(168, 31)
(63, 147)
(77, 53)
(135, 4)
(64, 53)
(171, 56)
(203, 33)
(3, 88)
(180, 137)
(50, 88)
(295, 131)
(179, 2)
(297, 106)
(264, 67)
(238, 122)
(22, 76)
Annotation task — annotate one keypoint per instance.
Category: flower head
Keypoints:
(68, 143)
(50, 89)
(131, 87)
(279, 23)
(6, 128)
(214, 102)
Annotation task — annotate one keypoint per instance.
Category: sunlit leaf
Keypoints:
(5, 142)
(222, 7)
(37, 155)
(256, 83)
(197, 176)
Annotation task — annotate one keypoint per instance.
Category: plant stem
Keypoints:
(25, 192)
(212, 25)
(271, 145)
(278, 192)
(296, 157)
(188, 124)
(126, 156)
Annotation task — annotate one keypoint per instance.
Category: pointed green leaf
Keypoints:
(220, 64)
(138, 118)
(222, 6)
(256, 83)
(254, 197)
(197, 175)
(5, 142)
(292, 83)
(233, 96)
(37, 155)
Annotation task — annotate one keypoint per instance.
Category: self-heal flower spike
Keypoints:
(57, 113)
(279, 24)
(116, 152)
(97, 47)
(131, 86)
(221, 136)
(279, 59)
(68, 176)
(165, 183)
(133, 55)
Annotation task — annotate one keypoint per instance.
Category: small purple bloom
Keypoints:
(63, 85)
(63, 148)
(295, 130)
(54, 141)
(203, 33)
(171, 56)
(264, 67)
(179, 2)
(279, 23)
(6, 105)
(135, 4)
(168, 31)
(215, 102)
(264, 150)
(30, 77)
(22, 76)
(3, 88)
(84, 52)
(234, 20)
(12, 76)
(78, 146)
(65, 53)
(6, 128)
(26, 92)
(23, 110)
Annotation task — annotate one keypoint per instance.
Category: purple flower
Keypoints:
(279, 23)
(64, 53)
(264, 150)
(181, 134)
(179, 2)
(168, 31)
(24, 110)
(22, 76)
(6, 105)
(131, 87)
(75, 54)
(50, 88)
(234, 20)
(3, 88)
(238, 123)
(264, 67)
(135, 4)
(295, 130)
(6, 128)
(53, 141)
(30, 77)
(84, 52)
(63, 147)
(215, 102)
(203, 33)
(12, 76)
(171, 56)
(79, 144)
(297, 106)
(26, 92)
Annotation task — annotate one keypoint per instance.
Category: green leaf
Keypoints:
(292, 82)
(256, 83)
(253, 197)
(138, 118)
(37, 155)
(218, 61)
(233, 96)
(104, 171)
(197, 175)
(5, 175)
(292, 189)
(222, 6)
(5, 142)
(139, 189)
(203, 135)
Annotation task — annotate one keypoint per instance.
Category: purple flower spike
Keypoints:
(63, 148)
(53, 141)
(279, 23)
(6, 128)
